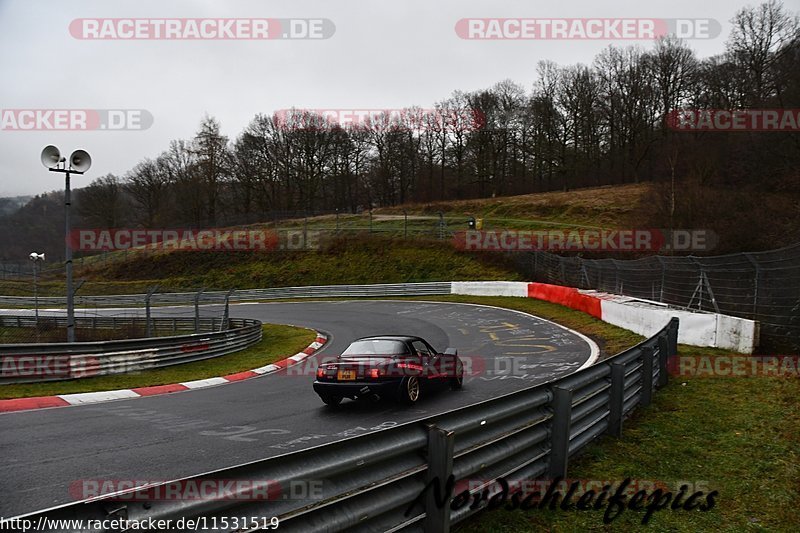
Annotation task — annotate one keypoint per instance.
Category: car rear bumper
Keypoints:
(353, 389)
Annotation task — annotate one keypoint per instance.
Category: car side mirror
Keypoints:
(451, 351)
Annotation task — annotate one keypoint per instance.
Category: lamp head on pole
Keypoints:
(79, 162)
(51, 156)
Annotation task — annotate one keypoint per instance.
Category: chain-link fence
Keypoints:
(762, 286)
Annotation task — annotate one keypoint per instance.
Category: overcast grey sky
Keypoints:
(383, 54)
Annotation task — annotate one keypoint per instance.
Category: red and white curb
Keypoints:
(64, 400)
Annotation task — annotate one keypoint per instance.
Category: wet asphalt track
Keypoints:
(166, 437)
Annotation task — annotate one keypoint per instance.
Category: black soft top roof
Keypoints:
(402, 338)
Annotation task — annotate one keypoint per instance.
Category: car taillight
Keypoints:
(320, 372)
(375, 373)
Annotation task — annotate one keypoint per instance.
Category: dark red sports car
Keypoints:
(388, 366)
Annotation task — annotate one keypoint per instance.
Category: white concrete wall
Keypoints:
(491, 288)
(697, 329)
(737, 334)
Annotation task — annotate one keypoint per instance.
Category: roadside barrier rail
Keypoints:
(37, 362)
(377, 482)
(207, 297)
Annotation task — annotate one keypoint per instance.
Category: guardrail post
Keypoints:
(647, 376)
(559, 432)
(617, 399)
(663, 357)
(440, 466)
(673, 337)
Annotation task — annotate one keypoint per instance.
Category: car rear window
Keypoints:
(376, 347)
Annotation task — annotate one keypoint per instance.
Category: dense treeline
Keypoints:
(577, 126)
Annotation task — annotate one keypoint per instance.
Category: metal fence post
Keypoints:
(663, 360)
(647, 376)
(663, 277)
(305, 232)
(197, 310)
(225, 325)
(440, 466)
(559, 432)
(757, 271)
(700, 287)
(150, 292)
(617, 399)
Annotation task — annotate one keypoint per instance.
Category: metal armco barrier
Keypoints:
(28, 363)
(158, 324)
(376, 482)
(186, 298)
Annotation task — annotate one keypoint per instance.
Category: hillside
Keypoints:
(343, 260)
(409, 243)
(610, 206)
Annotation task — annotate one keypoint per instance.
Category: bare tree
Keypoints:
(760, 37)
(148, 186)
(213, 163)
(103, 203)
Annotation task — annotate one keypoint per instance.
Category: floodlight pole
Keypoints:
(68, 254)
(36, 294)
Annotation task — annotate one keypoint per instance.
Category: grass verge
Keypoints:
(278, 342)
(739, 436)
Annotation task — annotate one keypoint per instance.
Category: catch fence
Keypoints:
(761, 286)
